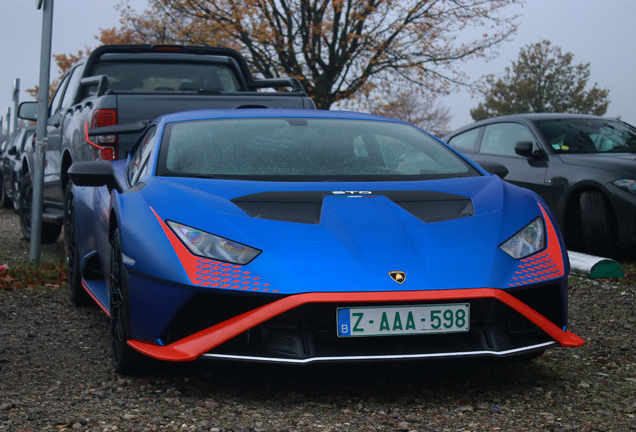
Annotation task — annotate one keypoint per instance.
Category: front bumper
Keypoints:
(263, 334)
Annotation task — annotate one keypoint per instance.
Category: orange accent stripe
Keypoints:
(86, 137)
(188, 260)
(193, 346)
(95, 298)
(554, 248)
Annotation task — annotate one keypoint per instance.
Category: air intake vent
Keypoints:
(301, 207)
(306, 207)
(430, 206)
(517, 323)
(437, 211)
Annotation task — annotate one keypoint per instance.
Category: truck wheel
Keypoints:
(596, 221)
(77, 293)
(26, 196)
(125, 359)
(50, 231)
(16, 196)
(6, 202)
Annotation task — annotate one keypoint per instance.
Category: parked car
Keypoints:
(299, 236)
(4, 146)
(583, 166)
(11, 173)
(121, 84)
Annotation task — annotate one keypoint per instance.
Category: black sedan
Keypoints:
(583, 166)
(11, 161)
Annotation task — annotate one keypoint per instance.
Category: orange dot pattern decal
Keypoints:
(537, 268)
(212, 273)
(217, 274)
(544, 265)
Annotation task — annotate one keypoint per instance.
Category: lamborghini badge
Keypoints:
(398, 276)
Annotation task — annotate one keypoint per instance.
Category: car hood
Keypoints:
(363, 232)
(621, 163)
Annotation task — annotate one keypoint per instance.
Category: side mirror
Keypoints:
(524, 148)
(13, 151)
(494, 168)
(28, 111)
(95, 174)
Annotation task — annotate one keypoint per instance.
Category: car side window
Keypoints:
(13, 141)
(26, 140)
(500, 138)
(67, 101)
(19, 142)
(465, 141)
(139, 160)
(55, 103)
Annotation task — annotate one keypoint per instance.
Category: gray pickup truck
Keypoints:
(122, 84)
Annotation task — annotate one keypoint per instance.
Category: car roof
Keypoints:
(539, 116)
(525, 118)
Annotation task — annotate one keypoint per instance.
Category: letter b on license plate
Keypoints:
(403, 320)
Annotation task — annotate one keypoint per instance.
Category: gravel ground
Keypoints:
(55, 374)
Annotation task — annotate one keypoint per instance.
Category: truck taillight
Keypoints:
(101, 118)
(104, 117)
(107, 154)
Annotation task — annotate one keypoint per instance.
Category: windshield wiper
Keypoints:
(203, 91)
(624, 149)
(207, 176)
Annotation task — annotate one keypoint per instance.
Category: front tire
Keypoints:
(6, 202)
(50, 231)
(597, 224)
(78, 295)
(125, 359)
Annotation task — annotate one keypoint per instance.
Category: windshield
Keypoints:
(588, 135)
(305, 149)
(157, 76)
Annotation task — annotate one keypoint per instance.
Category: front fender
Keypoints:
(158, 284)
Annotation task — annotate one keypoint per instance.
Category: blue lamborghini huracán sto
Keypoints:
(297, 236)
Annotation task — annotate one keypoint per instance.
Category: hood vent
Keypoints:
(437, 211)
(306, 207)
(301, 207)
(431, 206)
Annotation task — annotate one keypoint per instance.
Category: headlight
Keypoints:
(214, 247)
(529, 240)
(626, 184)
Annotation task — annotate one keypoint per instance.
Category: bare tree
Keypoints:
(417, 110)
(338, 49)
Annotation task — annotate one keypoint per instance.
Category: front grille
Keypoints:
(517, 323)
(549, 300)
(205, 310)
(310, 331)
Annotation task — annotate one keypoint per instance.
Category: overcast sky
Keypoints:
(599, 32)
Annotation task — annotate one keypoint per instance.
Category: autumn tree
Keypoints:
(418, 110)
(543, 79)
(338, 49)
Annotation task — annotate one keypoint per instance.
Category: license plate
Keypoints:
(403, 320)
